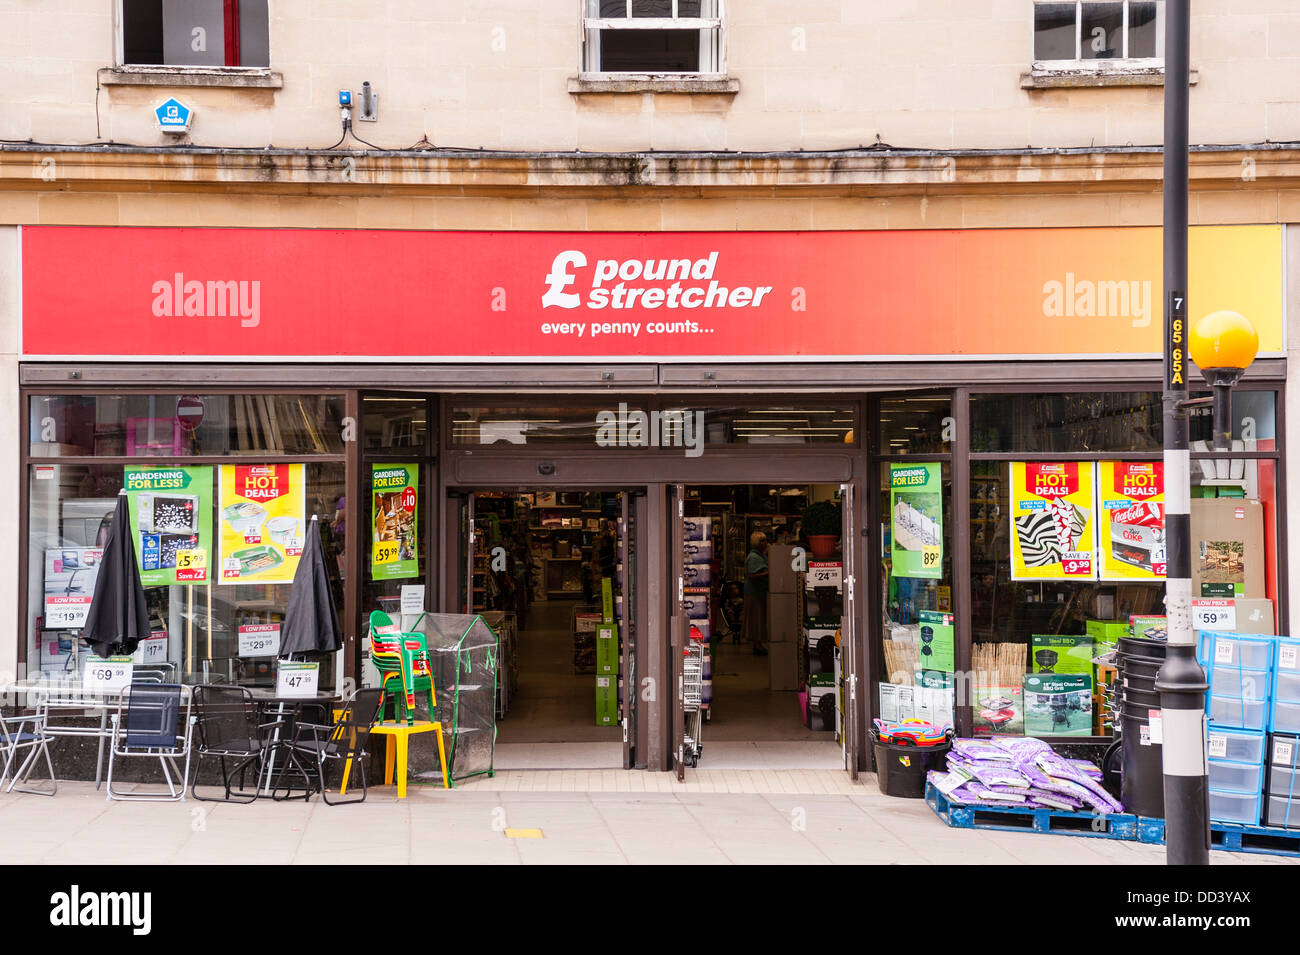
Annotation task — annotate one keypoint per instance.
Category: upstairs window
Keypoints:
(1082, 34)
(637, 38)
(197, 33)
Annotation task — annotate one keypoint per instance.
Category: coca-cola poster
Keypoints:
(1131, 531)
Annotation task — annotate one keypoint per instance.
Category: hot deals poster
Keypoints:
(171, 511)
(263, 507)
(1132, 528)
(1053, 510)
(393, 497)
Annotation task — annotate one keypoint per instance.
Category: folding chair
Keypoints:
(148, 723)
(18, 733)
(228, 728)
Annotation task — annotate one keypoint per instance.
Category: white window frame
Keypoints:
(590, 27)
(1121, 64)
(119, 53)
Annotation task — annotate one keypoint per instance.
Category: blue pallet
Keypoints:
(1015, 819)
(1228, 837)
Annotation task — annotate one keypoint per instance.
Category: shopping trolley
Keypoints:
(692, 697)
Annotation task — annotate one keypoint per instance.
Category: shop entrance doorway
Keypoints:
(763, 637)
(554, 572)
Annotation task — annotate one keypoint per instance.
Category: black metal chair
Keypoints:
(315, 745)
(229, 729)
(153, 721)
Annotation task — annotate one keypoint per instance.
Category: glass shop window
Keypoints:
(183, 425)
(917, 627)
(216, 550)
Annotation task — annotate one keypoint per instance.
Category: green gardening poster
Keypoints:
(171, 511)
(392, 519)
(916, 509)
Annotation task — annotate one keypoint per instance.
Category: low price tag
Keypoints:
(1286, 657)
(107, 674)
(259, 640)
(296, 679)
(66, 612)
(293, 547)
(230, 568)
(931, 557)
(1214, 615)
(1218, 746)
(385, 552)
(825, 575)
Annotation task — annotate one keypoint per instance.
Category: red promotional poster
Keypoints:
(1132, 527)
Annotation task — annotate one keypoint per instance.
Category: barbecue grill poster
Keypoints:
(392, 518)
(1131, 526)
(262, 513)
(937, 641)
(171, 511)
(1053, 513)
(916, 506)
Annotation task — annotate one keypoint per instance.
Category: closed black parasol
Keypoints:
(118, 617)
(311, 624)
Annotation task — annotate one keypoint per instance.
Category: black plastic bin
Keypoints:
(901, 770)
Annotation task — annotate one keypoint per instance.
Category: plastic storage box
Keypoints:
(1245, 778)
(1286, 656)
(1285, 717)
(1241, 808)
(1284, 781)
(1281, 813)
(1241, 683)
(1239, 746)
(1236, 713)
(1235, 650)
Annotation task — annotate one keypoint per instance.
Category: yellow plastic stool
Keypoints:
(399, 735)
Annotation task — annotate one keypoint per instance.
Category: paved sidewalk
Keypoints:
(802, 816)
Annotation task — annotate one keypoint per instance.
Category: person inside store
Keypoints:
(754, 618)
(607, 552)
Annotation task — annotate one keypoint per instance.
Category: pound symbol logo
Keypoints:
(560, 279)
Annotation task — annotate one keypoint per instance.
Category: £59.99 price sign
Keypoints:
(1053, 511)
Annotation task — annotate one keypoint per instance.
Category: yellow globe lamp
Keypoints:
(1223, 344)
(1223, 340)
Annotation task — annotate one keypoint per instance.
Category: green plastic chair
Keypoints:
(403, 659)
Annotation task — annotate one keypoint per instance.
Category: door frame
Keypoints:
(525, 468)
